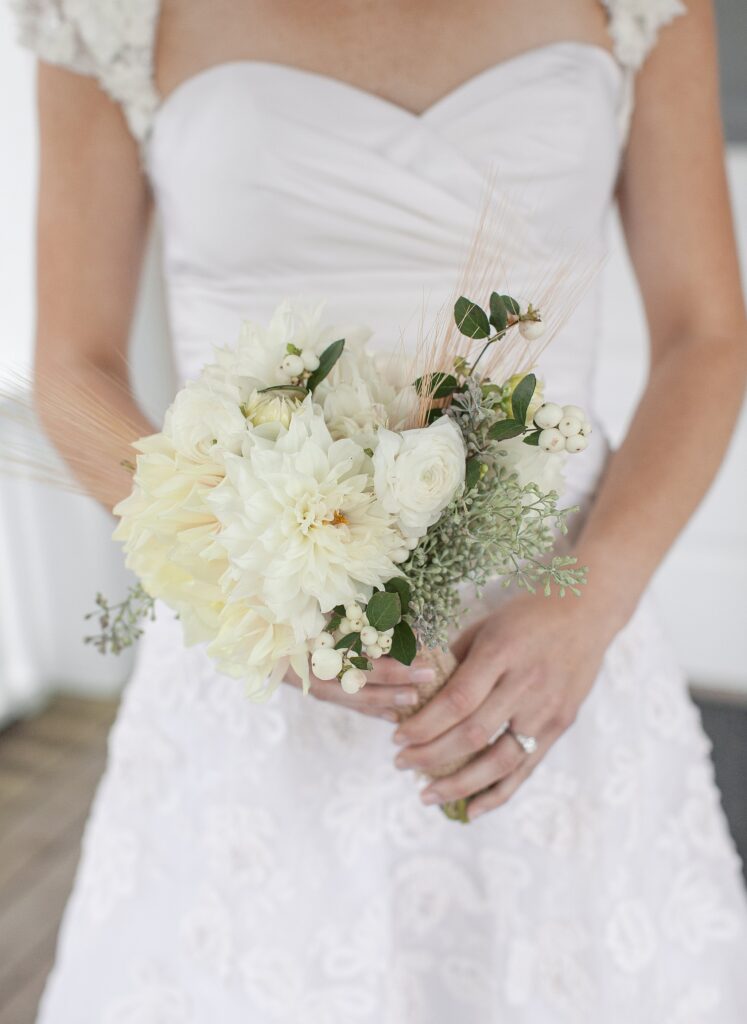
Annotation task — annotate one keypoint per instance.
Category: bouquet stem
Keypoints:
(444, 663)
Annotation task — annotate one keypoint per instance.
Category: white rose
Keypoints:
(202, 422)
(532, 465)
(418, 472)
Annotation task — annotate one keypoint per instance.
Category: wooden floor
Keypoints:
(49, 766)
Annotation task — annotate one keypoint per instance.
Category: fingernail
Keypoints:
(430, 796)
(423, 675)
(406, 698)
(400, 738)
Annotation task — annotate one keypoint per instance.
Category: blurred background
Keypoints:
(58, 697)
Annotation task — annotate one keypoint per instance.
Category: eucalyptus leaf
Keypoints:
(384, 610)
(404, 645)
(471, 320)
(399, 585)
(512, 306)
(472, 473)
(498, 315)
(522, 396)
(504, 429)
(327, 360)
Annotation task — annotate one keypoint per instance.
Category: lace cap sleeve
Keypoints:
(111, 40)
(634, 26)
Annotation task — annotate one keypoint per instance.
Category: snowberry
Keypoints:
(324, 640)
(548, 415)
(385, 643)
(353, 679)
(369, 635)
(326, 662)
(551, 440)
(569, 426)
(292, 365)
(350, 625)
(354, 612)
(531, 330)
(373, 651)
(586, 428)
(574, 410)
(310, 360)
(576, 443)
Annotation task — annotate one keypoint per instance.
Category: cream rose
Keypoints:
(418, 472)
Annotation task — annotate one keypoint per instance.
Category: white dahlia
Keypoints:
(169, 531)
(301, 526)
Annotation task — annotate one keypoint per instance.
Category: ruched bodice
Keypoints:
(272, 181)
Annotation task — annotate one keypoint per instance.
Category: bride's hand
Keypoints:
(531, 663)
(390, 688)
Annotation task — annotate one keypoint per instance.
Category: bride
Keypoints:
(278, 863)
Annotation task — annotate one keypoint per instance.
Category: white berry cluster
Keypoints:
(563, 428)
(298, 364)
(329, 663)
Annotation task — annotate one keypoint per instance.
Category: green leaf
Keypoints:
(522, 396)
(384, 610)
(339, 609)
(292, 390)
(363, 663)
(350, 642)
(498, 315)
(399, 585)
(433, 415)
(404, 644)
(503, 429)
(437, 385)
(472, 473)
(533, 438)
(327, 360)
(471, 320)
(333, 623)
(512, 306)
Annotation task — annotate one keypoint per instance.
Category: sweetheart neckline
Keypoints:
(595, 50)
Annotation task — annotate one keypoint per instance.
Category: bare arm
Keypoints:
(535, 661)
(93, 210)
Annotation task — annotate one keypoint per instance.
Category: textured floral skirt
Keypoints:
(267, 864)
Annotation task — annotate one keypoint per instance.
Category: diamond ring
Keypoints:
(527, 743)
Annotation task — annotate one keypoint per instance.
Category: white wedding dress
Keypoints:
(250, 864)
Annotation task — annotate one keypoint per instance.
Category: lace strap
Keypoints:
(111, 40)
(634, 26)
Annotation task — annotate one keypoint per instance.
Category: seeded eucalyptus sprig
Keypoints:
(119, 624)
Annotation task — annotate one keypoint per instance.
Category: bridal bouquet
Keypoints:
(312, 505)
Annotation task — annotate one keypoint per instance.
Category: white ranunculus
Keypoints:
(271, 407)
(300, 523)
(418, 472)
(202, 422)
(532, 465)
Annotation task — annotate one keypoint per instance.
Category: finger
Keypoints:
(394, 673)
(468, 737)
(374, 699)
(464, 641)
(502, 791)
(499, 761)
(464, 692)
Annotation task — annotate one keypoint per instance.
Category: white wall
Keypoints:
(56, 552)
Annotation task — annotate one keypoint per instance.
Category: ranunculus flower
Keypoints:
(418, 472)
(201, 422)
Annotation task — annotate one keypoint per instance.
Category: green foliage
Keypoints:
(327, 360)
(399, 585)
(436, 385)
(471, 319)
(502, 430)
(350, 642)
(522, 396)
(498, 313)
(384, 610)
(404, 644)
(119, 624)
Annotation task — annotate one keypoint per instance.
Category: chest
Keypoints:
(410, 52)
